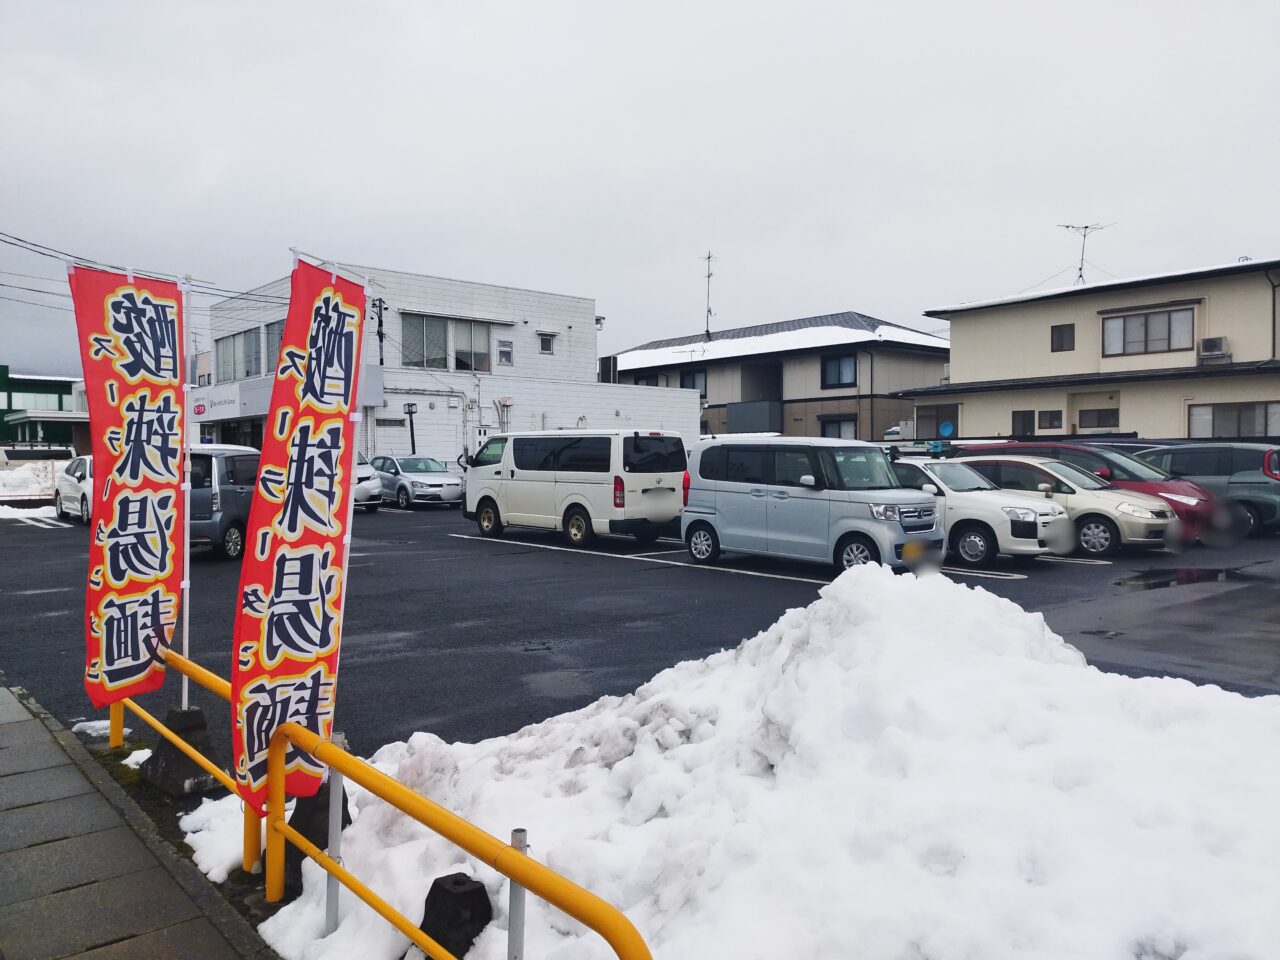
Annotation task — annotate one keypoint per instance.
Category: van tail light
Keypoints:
(686, 488)
(1271, 464)
(213, 501)
(619, 493)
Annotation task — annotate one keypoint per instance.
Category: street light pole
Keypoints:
(410, 409)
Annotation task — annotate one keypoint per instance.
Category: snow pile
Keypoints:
(136, 759)
(16, 513)
(96, 728)
(34, 478)
(907, 768)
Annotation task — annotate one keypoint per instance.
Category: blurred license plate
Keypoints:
(914, 551)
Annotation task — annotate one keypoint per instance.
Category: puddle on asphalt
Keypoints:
(1159, 579)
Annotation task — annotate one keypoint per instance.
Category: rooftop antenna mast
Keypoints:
(709, 258)
(1084, 232)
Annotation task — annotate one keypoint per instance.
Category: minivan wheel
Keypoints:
(1253, 519)
(1099, 537)
(488, 520)
(57, 506)
(854, 550)
(84, 511)
(974, 546)
(703, 544)
(371, 506)
(403, 500)
(232, 543)
(577, 526)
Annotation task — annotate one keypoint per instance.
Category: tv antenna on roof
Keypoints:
(1084, 232)
(709, 258)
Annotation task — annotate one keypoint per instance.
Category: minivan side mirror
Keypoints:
(808, 480)
(931, 488)
(1103, 473)
(1045, 489)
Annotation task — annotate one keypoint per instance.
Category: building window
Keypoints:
(1207, 420)
(423, 342)
(239, 356)
(646, 380)
(1062, 337)
(839, 371)
(1100, 417)
(389, 421)
(842, 428)
(33, 401)
(1024, 423)
(938, 421)
(546, 343)
(204, 379)
(273, 334)
(1163, 331)
(470, 346)
(694, 380)
(506, 353)
(1049, 419)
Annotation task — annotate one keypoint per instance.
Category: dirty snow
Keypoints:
(96, 728)
(136, 759)
(907, 768)
(16, 513)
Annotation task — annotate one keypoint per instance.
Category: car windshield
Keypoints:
(1125, 467)
(857, 468)
(421, 465)
(361, 459)
(960, 477)
(1081, 478)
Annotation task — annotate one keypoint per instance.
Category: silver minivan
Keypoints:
(806, 498)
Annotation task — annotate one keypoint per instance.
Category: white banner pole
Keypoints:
(187, 359)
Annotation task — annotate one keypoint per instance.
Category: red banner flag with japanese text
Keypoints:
(130, 333)
(285, 654)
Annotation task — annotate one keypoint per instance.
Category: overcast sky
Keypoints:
(886, 158)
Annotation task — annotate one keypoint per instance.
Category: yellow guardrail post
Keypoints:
(115, 722)
(275, 816)
(252, 839)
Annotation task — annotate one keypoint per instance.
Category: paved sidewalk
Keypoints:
(83, 872)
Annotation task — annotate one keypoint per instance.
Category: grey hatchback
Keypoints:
(1246, 473)
(223, 478)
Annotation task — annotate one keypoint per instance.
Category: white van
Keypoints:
(584, 482)
(806, 498)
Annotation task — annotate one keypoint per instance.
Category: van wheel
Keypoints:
(577, 526)
(1252, 518)
(1098, 536)
(57, 506)
(974, 544)
(488, 519)
(84, 511)
(703, 544)
(371, 507)
(854, 550)
(232, 543)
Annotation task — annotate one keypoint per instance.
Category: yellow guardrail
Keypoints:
(602, 917)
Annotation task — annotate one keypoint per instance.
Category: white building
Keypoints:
(473, 358)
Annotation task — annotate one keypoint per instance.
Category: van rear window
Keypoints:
(644, 454)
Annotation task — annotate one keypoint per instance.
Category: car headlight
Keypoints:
(1133, 510)
(1179, 498)
(884, 511)
(419, 486)
(1020, 513)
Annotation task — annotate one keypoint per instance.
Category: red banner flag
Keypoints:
(285, 655)
(130, 333)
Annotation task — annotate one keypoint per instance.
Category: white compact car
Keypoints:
(981, 520)
(410, 480)
(73, 492)
(368, 485)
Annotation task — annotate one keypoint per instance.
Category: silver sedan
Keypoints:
(410, 480)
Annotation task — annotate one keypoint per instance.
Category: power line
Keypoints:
(48, 306)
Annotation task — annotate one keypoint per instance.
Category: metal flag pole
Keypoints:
(187, 358)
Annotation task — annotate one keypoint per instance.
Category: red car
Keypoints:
(1194, 505)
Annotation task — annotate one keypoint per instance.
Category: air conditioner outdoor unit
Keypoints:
(1213, 347)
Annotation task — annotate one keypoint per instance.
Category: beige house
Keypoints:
(836, 375)
(1189, 354)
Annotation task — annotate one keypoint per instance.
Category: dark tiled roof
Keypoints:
(848, 319)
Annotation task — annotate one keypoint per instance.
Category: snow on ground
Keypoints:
(14, 513)
(96, 728)
(136, 759)
(907, 768)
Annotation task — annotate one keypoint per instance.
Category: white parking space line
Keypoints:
(655, 553)
(41, 522)
(987, 574)
(58, 523)
(1085, 560)
(642, 559)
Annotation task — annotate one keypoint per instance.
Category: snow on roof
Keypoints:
(44, 376)
(829, 330)
(1224, 269)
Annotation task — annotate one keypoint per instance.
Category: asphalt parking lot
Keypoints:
(470, 638)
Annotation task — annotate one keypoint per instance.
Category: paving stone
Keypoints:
(49, 867)
(93, 915)
(24, 731)
(38, 786)
(194, 940)
(26, 757)
(11, 711)
(43, 822)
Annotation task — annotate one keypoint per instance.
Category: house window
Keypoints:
(1024, 423)
(470, 346)
(839, 371)
(1162, 331)
(273, 334)
(239, 356)
(546, 343)
(937, 421)
(695, 380)
(1062, 337)
(646, 380)
(841, 428)
(1049, 419)
(422, 342)
(506, 353)
(33, 401)
(1099, 417)
(1206, 420)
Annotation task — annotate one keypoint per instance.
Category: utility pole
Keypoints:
(1084, 232)
(709, 258)
(378, 304)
